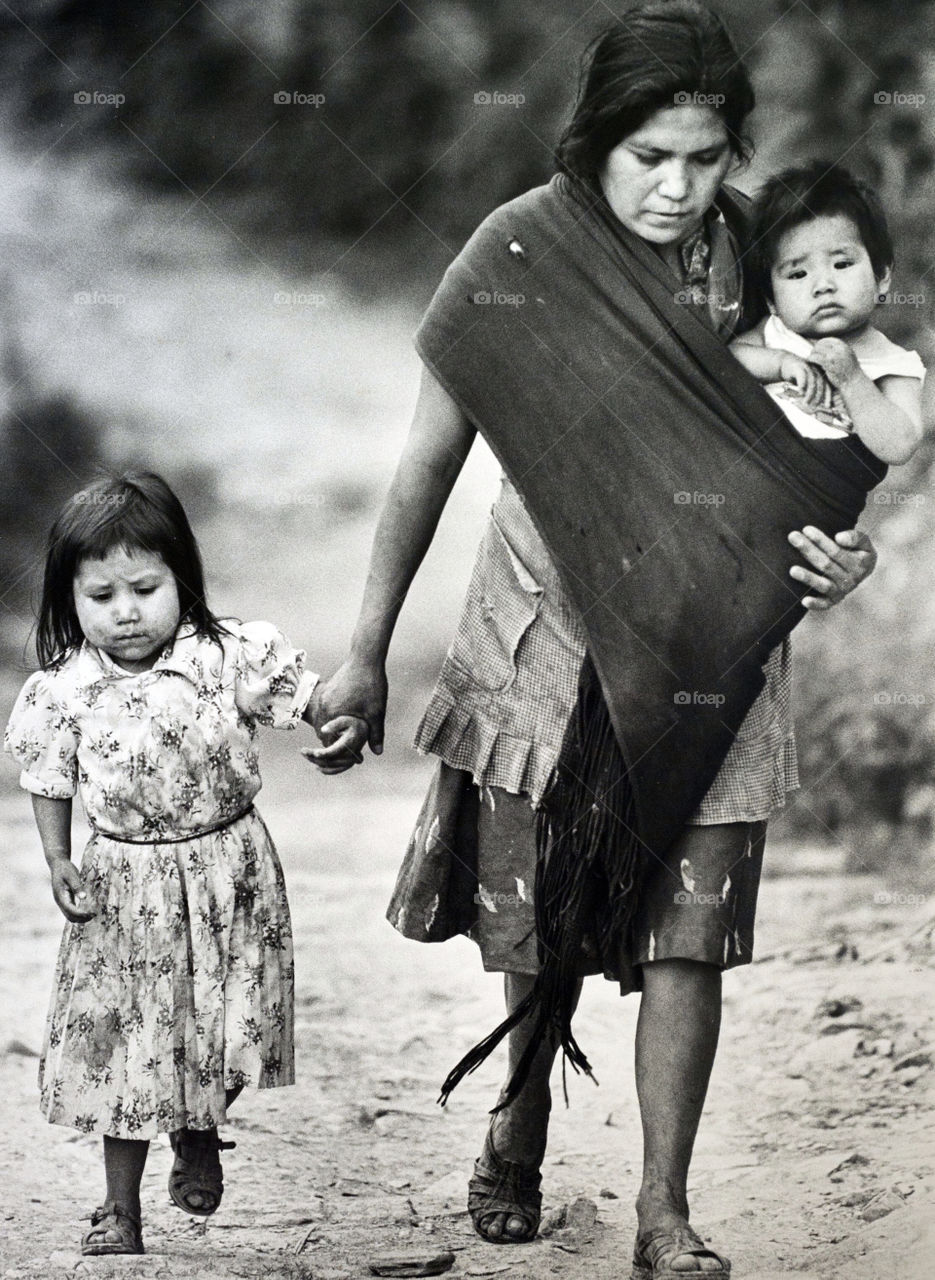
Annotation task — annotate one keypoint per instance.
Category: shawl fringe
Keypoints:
(588, 869)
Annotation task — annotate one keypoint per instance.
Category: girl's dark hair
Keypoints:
(661, 53)
(819, 189)
(138, 512)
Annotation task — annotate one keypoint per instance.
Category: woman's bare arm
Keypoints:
(439, 441)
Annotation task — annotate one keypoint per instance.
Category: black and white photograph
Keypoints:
(467, 479)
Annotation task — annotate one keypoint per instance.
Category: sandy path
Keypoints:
(357, 1159)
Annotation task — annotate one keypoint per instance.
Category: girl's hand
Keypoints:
(344, 737)
(68, 892)
(356, 689)
(836, 358)
(808, 380)
(842, 564)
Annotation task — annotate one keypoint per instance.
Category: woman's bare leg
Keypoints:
(520, 1131)
(676, 1041)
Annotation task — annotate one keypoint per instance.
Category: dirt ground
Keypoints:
(815, 1157)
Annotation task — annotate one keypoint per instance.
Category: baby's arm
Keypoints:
(53, 818)
(887, 415)
(769, 365)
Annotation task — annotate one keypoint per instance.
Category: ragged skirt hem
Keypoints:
(470, 869)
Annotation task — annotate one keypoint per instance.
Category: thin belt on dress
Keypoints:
(189, 835)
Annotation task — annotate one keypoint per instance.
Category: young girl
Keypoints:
(174, 983)
(823, 258)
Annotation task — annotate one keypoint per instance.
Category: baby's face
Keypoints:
(823, 281)
(128, 605)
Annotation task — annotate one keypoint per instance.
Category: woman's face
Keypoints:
(662, 178)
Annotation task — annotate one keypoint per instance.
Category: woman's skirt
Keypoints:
(471, 868)
(497, 720)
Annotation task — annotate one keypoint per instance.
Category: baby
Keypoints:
(823, 257)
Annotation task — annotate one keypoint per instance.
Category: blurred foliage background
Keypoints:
(190, 157)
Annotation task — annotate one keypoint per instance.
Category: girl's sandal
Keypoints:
(656, 1250)
(197, 1170)
(507, 1187)
(111, 1219)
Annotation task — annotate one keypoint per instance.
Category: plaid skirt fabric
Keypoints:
(509, 684)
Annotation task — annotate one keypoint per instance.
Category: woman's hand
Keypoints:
(357, 689)
(68, 891)
(841, 564)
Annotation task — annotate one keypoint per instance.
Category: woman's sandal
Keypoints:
(197, 1168)
(112, 1219)
(655, 1250)
(504, 1186)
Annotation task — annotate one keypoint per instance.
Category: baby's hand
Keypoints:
(69, 893)
(808, 380)
(837, 359)
(344, 736)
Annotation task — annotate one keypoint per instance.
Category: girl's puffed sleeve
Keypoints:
(272, 685)
(41, 736)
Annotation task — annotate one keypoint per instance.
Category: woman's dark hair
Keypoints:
(138, 512)
(662, 53)
(819, 189)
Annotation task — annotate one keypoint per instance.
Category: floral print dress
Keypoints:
(181, 986)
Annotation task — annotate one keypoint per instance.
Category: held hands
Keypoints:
(68, 892)
(358, 689)
(346, 711)
(841, 564)
(343, 738)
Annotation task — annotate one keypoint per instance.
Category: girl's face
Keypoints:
(128, 605)
(662, 178)
(823, 281)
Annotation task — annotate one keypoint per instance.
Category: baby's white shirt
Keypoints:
(877, 356)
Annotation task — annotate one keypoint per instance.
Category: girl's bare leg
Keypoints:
(124, 1161)
(676, 1040)
(195, 1136)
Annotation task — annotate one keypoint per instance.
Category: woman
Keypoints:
(563, 762)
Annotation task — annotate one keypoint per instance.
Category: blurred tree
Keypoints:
(400, 131)
(854, 81)
(49, 447)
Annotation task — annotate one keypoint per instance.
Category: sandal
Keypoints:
(504, 1186)
(197, 1168)
(112, 1219)
(655, 1250)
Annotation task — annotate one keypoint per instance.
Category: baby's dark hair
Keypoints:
(819, 189)
(138, 512)
(657, 54)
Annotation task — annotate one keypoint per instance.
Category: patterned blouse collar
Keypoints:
(184, 655)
